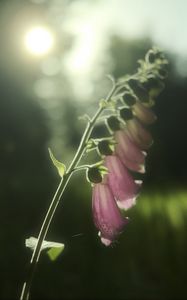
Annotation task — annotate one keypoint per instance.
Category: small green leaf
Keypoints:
(53, 253)
(91, 143)
(112, 147)
(60, 166)
(54, 249)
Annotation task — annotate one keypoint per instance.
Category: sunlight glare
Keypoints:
(39, 40)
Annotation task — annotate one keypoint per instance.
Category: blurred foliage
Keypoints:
(167, 160)
(149, 262)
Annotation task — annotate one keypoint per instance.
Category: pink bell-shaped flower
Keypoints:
(124, 188)
(106, 214)
(143, 113)
(128, 152)
(138, 134)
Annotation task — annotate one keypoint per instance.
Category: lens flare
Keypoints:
(39, 40)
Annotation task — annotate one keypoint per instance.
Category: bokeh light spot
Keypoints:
(39, 40)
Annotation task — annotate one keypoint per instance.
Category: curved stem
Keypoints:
(56, 199)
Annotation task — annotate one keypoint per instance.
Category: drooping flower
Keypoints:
(106, 214)
(124, 188)
(139, 90)
(143, 113)
(128, 152)
(124, 150)
(139, 134)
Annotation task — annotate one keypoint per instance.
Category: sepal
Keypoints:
(113, 123)
(60, 166)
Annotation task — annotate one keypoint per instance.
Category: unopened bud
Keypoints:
(104, 148)
(159, 54)
(139, 91)
(93, 175)
(151, 56)
(113, 123)
(154, 86)
(163, 73)
(126, 114)
(129, 99)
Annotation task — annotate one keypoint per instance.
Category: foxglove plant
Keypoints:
(128, 113)
(106, 215)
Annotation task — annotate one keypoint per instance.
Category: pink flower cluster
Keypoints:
(118, 189)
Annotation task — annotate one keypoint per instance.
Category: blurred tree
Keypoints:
(167, 160)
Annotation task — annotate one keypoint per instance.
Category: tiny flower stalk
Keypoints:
(128, 113)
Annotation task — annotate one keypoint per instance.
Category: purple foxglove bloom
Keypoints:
(143, 113)
(106, 214)
(140, 135)
(128, 152)
(124, 188)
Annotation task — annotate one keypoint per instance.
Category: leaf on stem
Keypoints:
(54, 249)
(54, 252)
(60, 166)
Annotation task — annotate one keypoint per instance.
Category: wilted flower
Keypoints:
(124, 188)
(106, 214)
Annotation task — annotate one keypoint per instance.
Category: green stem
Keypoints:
(56, 199)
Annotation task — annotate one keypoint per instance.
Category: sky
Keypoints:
(93, 22)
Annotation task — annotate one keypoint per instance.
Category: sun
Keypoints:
(39, 40)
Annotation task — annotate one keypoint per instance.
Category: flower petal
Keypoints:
(106, 214)
(139, 134)
(143, 113)
(122, 184)
(131, 165)
(128, 152)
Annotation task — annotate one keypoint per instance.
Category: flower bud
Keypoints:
(104, 148)
(154, 86)
(159, 54)
(113, 123)
(93, 175)
(144, 114)
(139, 134)
(163, 73)
(129, 99)
(150, 56)
(126, 114)
(139, 91)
